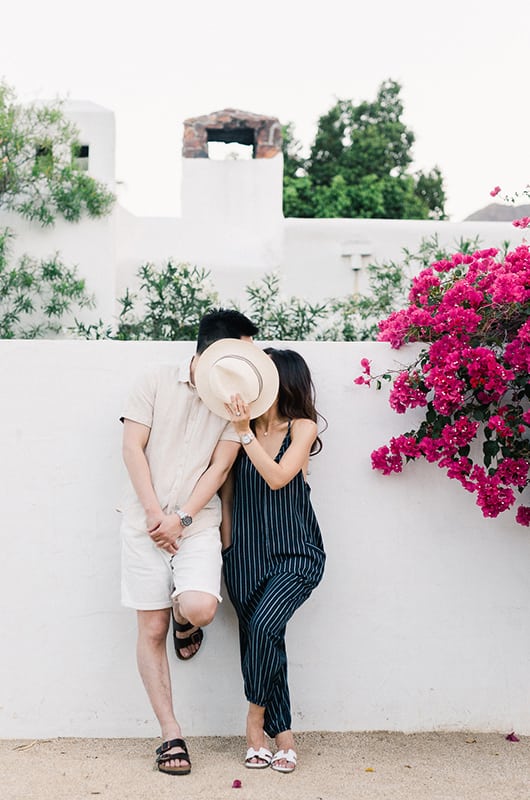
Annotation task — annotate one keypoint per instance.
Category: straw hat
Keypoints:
(233, 366)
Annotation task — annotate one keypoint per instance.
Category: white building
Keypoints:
(231, 224)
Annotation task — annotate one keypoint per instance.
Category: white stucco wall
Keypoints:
(232, 226)
(421, 621)
(97, 129)
(317, 259)
(321, 256)
(234, 258)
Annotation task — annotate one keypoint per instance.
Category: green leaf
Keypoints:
(491, 448)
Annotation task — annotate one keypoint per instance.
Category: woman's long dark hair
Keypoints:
(296, 395)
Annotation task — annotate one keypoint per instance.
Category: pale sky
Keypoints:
(463, 65)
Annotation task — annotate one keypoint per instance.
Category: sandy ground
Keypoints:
(332, 766)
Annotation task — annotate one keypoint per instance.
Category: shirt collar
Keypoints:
(184, 372)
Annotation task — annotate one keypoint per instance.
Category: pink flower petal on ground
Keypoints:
(236, 784)
(494, 192)
(512, 737)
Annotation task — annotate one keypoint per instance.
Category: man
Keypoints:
(177, 453)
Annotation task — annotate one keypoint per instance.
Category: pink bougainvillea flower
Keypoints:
(365, 364)
(494, 192)
(523, 516)
(385, 461)
(405, 393)
(236, 784)
(512, 737)
(471, 312)
(524, 222)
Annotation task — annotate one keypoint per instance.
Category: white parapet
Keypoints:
(419, 623)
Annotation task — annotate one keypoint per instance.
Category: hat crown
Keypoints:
(233, 366)
(235, 374)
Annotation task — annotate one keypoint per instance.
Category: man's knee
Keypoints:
(153, 625)
(197, 607)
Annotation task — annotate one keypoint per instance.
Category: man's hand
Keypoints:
(165, 530)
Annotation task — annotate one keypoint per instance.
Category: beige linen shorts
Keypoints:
(150, 576)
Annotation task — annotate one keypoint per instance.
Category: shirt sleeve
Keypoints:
(229, 434)
(139, 406)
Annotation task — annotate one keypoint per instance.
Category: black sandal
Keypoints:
(162, 757)
(194, 638)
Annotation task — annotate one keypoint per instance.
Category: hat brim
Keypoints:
(248, 350)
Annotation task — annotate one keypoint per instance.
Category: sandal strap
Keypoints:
(287, 755)
(162, 759)
(262, 753)
(165, 746)
(182, 627)
(194, 638)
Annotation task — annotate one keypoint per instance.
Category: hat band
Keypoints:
(251, 365)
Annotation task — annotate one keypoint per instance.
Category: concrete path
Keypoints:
(332, 766)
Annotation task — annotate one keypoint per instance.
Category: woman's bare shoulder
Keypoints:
(304, 427)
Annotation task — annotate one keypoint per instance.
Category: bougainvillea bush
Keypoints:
(472, 311)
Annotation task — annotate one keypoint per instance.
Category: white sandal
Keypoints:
(263, 754)
(284, 755)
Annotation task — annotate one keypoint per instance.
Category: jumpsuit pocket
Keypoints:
(315, 550)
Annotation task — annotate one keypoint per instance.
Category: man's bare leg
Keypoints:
(196, 607)
(154, 670)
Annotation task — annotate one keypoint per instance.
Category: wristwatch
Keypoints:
(184, 518)
(247, 438)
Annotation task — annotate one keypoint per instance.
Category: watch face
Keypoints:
(185, 519)
(246, 438)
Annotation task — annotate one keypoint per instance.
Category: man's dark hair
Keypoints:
(223, 323)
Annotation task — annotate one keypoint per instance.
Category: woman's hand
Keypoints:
(239, 413)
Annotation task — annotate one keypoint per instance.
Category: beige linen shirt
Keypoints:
(183, 436)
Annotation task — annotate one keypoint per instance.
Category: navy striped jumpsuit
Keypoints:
(274, 562)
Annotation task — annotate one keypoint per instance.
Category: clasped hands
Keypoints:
(165, 530)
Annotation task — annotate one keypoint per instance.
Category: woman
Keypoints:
(273, 554)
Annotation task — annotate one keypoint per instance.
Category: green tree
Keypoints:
(293, 161)
(359, 165)
(39, 177)
(40, 181)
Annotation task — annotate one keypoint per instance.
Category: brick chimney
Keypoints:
(232, 126)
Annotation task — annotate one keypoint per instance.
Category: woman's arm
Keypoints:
(295, 458)
(213, 478)
(226, 493)
(208, 484)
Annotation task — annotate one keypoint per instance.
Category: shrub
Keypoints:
(35, 295)
(472, 311)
